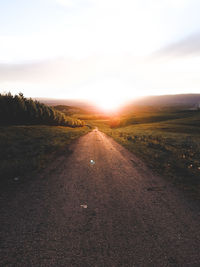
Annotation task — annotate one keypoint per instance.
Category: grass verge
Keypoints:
(170, 148)
(28, 148)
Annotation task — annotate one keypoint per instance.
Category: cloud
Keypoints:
(68, 76)
(171, 3)
(59, 72)
(189, 46)
(69, 3)
(120, 74)
(119, 3)
(53, 78)
(73, 3)
(66, 71)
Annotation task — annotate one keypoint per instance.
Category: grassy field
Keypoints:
(167, 139)
(28, 148)
(169, 142)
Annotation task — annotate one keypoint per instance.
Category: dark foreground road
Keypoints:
(132, 217)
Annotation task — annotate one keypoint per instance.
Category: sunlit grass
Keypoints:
(171, 147)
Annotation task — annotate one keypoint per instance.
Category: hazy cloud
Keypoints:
(57, 72)
(69, 3)
(119, 3)
(74, 3)
(65, 71)
(189, 46)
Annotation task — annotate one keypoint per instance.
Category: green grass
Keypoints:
(152, 115)
(171, 147)
(168, 140)
(28, 148)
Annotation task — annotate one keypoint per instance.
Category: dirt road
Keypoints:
(111, 211)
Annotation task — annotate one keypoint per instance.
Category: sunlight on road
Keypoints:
(92, 162)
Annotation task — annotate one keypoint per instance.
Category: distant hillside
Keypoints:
(69, 110)
(81, 104)
(189, 100)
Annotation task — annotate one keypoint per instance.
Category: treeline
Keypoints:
(16, 110)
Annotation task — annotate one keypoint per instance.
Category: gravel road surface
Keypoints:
(100, 206)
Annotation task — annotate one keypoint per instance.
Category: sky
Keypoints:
(107, 51)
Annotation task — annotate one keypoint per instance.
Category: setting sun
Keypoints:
(109, 94)
(108, 104)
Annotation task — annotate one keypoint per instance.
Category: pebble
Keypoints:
(84, 206)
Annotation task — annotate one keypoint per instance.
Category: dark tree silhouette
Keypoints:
(17, 110)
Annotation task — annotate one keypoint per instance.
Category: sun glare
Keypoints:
(108, 104)
(108, 94)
